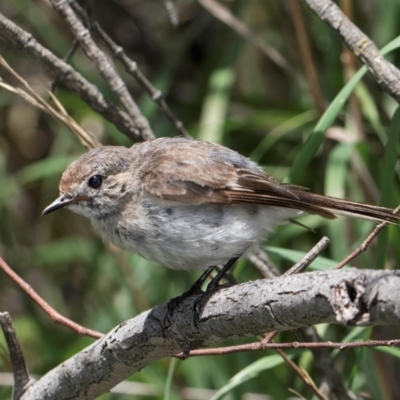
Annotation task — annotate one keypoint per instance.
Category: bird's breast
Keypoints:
(191, 236)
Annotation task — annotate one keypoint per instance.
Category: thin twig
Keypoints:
(331, 379)
(364, 245)
(224, 15)
(384, 72)
(66, 59)
(306, 56)
(59, 113)
(50, 311)
(303, 374)
(21, 375)
(260, 346)
(264, 265)
(172, 12)
(297, 268)
(133, 69)
(68, 78)
(301, 265)
(103, 65)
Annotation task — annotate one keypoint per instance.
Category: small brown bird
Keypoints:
(188, 204)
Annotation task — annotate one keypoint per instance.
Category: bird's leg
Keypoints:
(215, 281)
(195, 289)
(199, 283)
(211, 288)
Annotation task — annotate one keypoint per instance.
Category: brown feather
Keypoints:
(194, 172)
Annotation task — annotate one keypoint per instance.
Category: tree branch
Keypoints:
(103, 66)
(67, 77)
(46, 307)
(384, 72)
(133, 69)
(21, 375)
(350, 297)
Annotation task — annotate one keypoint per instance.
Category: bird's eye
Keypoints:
(95, 181)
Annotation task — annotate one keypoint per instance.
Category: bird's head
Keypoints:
(95, 184)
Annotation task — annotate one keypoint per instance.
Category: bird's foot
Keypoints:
(194, 290)
(212, 287)
(202, 300)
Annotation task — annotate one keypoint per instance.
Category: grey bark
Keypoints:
(349, 297)
(70, 79)
(384, 72)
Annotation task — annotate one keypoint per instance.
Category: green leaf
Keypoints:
(249, 372)
(320, 264)
(215, 105)
(44, 169)
(317, 136)
(281, 130)
(393, 351)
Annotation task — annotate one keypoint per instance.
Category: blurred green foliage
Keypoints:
(226, 90)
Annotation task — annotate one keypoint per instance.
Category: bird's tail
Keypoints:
(337, 206)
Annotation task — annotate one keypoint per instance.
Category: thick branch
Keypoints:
(385, 73)
(350, 297)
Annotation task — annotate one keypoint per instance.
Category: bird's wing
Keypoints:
(206, 175)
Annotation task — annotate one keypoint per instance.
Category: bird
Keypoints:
(189, 204)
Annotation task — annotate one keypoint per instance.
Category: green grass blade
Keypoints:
(216, 105)
(393, 351)
(44, 169)
(168, 383)
(247, 373)
(388, 173)
(320, 264)
(277, 133)
(335, 183)
(316, 137)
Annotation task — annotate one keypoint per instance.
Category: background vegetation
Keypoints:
(225, 89)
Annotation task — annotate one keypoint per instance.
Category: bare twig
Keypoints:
(133, 69)
(306, 56)
(21, 375)
(50, 311)
(384, 72)
(296, 269)
(331, 380)
(364, 245)
(103, 65)
(172, 12)
(224, 15)
(301, 265)
(303, 374)
(261, 346)
(348, 60)
(323, 361)
(264, 265)
(58, 113)
(67, 77)
(66, 59)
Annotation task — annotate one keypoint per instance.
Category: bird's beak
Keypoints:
(61, 202)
